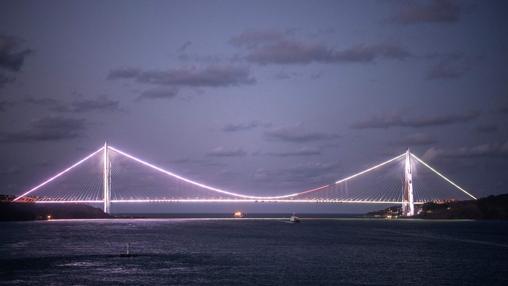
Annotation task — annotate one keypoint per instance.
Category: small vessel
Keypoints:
(127, 251)
(238, 214)
(294, 219)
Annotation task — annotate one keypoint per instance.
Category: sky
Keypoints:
(261, 97)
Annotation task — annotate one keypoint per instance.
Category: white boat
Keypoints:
(294, 219)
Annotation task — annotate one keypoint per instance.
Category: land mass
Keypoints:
(10, 211)
(491, 207)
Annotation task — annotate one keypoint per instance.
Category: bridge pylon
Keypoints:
(408, 206)
(107, 179)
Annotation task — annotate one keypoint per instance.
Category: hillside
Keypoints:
(30, 211)
(491, 207)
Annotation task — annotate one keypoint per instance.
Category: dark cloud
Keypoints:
(226, 152)
(206, 59)
(245, 126)
(122, 73)
(297, 52)
(316, 75)
(274, 47)
(198, 162)
(503, 109)
(101, 103)
(486, 128)
(388, 121)
(443, 70)
(417, 139)
(184, 46)
(284, 75)
(4, 80)
(435, 11)
(12, 55)
(498, 149)
(310, 172)
(47, 101)
(11, 170)
(298, 134)
(253, 38)
(47, 129)
(209, 76)
(305, 151)
(98, 104)
(4, 104)
(51, 103)
(448, 66)
(158, 94)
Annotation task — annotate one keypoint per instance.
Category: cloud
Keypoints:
(417, 139)
(444, 70)
(388, 121)
(98, 104)
(207, 59)
(430, 154)
(51, 103)
(47, 129)
(198, 162)
(122, 73)
(274, 47)
(4, 80)
(437, 11)
(184, 46)
(284, 75)
(486, 128)
(226, 152)
(209, 76)
(297, 52)
(316, 75)
(253, 38)
(449, 66)
(309, 172)
(4, 104)
(305, 151)
(12, 170)
(503, 109)
(298, 134)
(311, 169)
(494, 150)
(245, 126)
(159, 93)
(12, 56)
(101, 103)
(41, 100)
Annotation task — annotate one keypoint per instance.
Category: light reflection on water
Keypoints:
(254, 252)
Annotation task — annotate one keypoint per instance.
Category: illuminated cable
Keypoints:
(442, 176)
(58, 175)
(370, 169)
(207, 186)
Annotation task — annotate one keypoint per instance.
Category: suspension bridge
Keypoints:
(111, 176)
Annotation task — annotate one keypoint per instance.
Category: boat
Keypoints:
(127, 251)
(294, 219)
(238, 214)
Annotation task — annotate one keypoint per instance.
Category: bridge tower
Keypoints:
(107, 179)
(408, 207)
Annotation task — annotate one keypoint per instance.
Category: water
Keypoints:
(254, 252)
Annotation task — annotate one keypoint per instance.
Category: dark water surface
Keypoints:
(254, 252)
